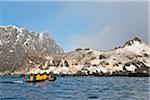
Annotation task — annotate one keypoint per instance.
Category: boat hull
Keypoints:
(34, 81)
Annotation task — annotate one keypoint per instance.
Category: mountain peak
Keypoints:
(136, 40)
(11, 36)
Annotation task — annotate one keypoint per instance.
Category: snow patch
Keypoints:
(131, 68)
(11, 50)
(1, 43)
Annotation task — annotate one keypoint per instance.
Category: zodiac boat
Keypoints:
(32, 78)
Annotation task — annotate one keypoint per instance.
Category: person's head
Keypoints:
(45, 73)
(31, 74)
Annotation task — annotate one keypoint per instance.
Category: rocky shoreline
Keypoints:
(132, 59)
(79, 74)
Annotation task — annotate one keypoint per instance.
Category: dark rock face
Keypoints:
(102, 57)
(142, 69)
(15, 43)
(130, 42)
(66, 63)
(56, 62)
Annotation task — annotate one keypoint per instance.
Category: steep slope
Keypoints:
(16, 42)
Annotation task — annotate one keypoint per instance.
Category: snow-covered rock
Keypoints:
(132, 58)
(16, 42)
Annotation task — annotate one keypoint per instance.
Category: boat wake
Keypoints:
(13, 82)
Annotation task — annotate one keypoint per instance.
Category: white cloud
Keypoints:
(121, 20)
(111, 36)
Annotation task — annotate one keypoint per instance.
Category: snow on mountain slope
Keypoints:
(42, 42)
(15, 42)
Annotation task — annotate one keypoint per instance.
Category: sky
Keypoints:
(100, 25)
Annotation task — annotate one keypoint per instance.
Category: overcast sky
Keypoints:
(98, 24)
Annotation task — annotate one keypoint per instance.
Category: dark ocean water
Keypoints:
(77, 88)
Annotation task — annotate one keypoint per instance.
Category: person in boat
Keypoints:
(41, 77)
(45, 76)
(38, 77)
(31, 77)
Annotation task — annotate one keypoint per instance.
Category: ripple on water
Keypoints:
(78, 88)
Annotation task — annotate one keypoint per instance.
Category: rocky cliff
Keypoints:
(16, 43)
(132, 59)
(24, 52)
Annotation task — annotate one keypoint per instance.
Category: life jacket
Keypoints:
(44, 76)
(31, 77)
(38, 77)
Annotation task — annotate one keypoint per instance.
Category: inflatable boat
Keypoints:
(40, 78)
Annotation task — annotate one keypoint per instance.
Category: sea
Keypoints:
(76, 88)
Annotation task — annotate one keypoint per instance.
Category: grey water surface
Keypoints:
(76, 88)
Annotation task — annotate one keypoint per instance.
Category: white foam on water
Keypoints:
(18, 81)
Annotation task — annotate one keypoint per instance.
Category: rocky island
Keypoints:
(23, 52)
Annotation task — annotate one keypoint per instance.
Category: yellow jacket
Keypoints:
(38, 77)
(44, 77)
(31, 78)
